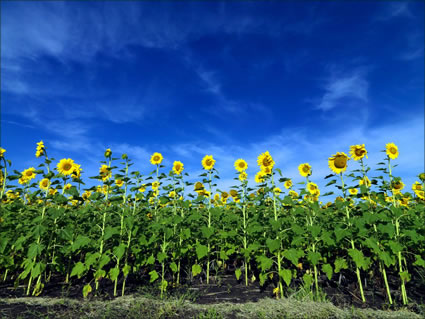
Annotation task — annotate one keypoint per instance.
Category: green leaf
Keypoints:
(265, 263)
(263, 278)
(419, 261)
(126, 270)
(293, 255)
(405, 276)
(196, 270)
(340, 263)
(114, 273)
(386, 258)
(313, 257)
(395, 246)
(36, 270)
(78, 270)
(86, 290)
(161, 256)
(81, 241)
(286, 275)
(119, 251)
(201, 250)
(104, 260)
(154, 275)
(359, 259)
(207, 232)
(173, 267)
(238, 273)
(109, 232)
(308, 280)
(327, 269)
(151, 260)
(273, 244)
(34, 250)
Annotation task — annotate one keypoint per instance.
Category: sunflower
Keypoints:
(86, 195)
(416, 186)
(277, 190)
(265, 160)
(216, 197)
(266, 170)
(65, 166)
(241, 165)
(397, 186)
(53, 191)
(40, 149)
(365, 181)
(155, 185)
(44, 184)
(338, 162)
(312, 188)
(288, 184)
(259, 177)
(199, 187)
(108, 152)
(208, 162)
(156, 158)
(105, 172)
(243, 176)
(420, 194)
(304, 169)
(357, 152)
(172, 194)
(392, 150)
(2, 151)
(142, 188)
(119, 182)
(233, 193)
(178, 167)
(293, 194)
(67, 186)
(353, 191)
(76, 173)
(224, 197)
(29, 173)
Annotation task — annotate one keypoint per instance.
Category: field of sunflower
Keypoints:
(170, 231)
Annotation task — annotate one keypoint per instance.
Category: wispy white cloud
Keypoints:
(342, 87)
(394, 9)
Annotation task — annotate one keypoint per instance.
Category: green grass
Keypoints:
(142, 307)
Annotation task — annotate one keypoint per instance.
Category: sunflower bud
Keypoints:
(108, 153)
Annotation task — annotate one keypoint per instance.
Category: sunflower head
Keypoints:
(29, 173)
(304, 169)
(312, 188)
(67, 186)
(233, 193)
(241, 165)
(86, 195)
(365, 181)
(156, 158)
(416, 186)
(172, 194)
(288, 184)
(105, 172)
(338, 162)
(2, 151)
(108, 153)
(357, 152)
(353, 191)
(265, 160)
(66, 166)
(119, 182)
(243, 176)
(277, 190)
(44, 184)
(142, 188)
(40, 149)
(178, 167)
(155, 185)
(76, 173)
(198, 187)
(397, 186)
(293, 194)
(208, 162)
(224, 196)
(392, 150)
(259, 177)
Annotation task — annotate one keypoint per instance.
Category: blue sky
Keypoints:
(302, 80)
